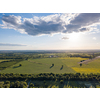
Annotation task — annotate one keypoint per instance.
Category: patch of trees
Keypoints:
(50, 76)
(16, 84)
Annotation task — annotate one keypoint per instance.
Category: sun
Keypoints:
(74, 37)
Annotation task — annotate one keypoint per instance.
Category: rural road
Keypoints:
(89, 60)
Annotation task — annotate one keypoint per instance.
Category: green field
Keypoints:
(5, 60)
(44, 65)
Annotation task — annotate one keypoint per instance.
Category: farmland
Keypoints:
(44, 65)
(50, 70)
(91, 67)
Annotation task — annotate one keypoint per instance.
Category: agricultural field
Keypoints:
(44, 65)
(90, 67)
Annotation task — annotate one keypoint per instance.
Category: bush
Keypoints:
(61, 81)
(12, 84)
(7, 82)
(31, 85)
(20, 64)
(52, 64)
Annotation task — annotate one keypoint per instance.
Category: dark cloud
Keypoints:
(85, 19)
(84, 29)
(51, 24)
(82, 20)
(13, 20)
(42, 28)
(64, 38)
(7, 44)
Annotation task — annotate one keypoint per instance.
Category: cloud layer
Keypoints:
(7, 44)
(57, 23)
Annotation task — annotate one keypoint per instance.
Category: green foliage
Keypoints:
(7, 82)
(20, 64)
(52, 64)
(80, 64)
(31, 85)
(61, 81)
(45, 79)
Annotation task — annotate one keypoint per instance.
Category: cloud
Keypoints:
(94, 38)
(56, 23)
(8, 44)
(64, 38)
(81, 22)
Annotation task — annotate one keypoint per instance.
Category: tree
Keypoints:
(62, 66)
(7, 82)
(12, 84)
(80, 64)
(52, 64)
(20, 64)
(61, 81)
(31, 85)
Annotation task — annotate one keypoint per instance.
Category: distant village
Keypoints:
(53, 56)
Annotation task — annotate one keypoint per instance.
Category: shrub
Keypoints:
(61, 81)
(7, 82)
(20, 64)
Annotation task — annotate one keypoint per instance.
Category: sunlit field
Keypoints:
(91, 67)
(44, 65)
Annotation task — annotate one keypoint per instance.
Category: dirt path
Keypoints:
(28, 84)
(89, 60)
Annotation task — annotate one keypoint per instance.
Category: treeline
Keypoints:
(82, 56)
(44, 55)
(16, 84)
(6, 64)
(51, 76)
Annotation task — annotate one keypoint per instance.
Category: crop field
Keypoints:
(91, 67)
(44, 65)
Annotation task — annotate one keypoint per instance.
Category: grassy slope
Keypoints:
(43, 66)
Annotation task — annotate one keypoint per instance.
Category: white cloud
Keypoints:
(94, 38)
(9, 44)
(56, 23)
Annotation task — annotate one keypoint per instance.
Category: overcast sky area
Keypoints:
(49, 31)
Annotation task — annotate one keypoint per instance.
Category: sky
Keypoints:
(49, 31)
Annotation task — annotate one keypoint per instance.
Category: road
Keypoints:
(89, 60)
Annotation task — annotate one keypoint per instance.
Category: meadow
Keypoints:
(44, 65)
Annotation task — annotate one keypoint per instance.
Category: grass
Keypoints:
(44, 65)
